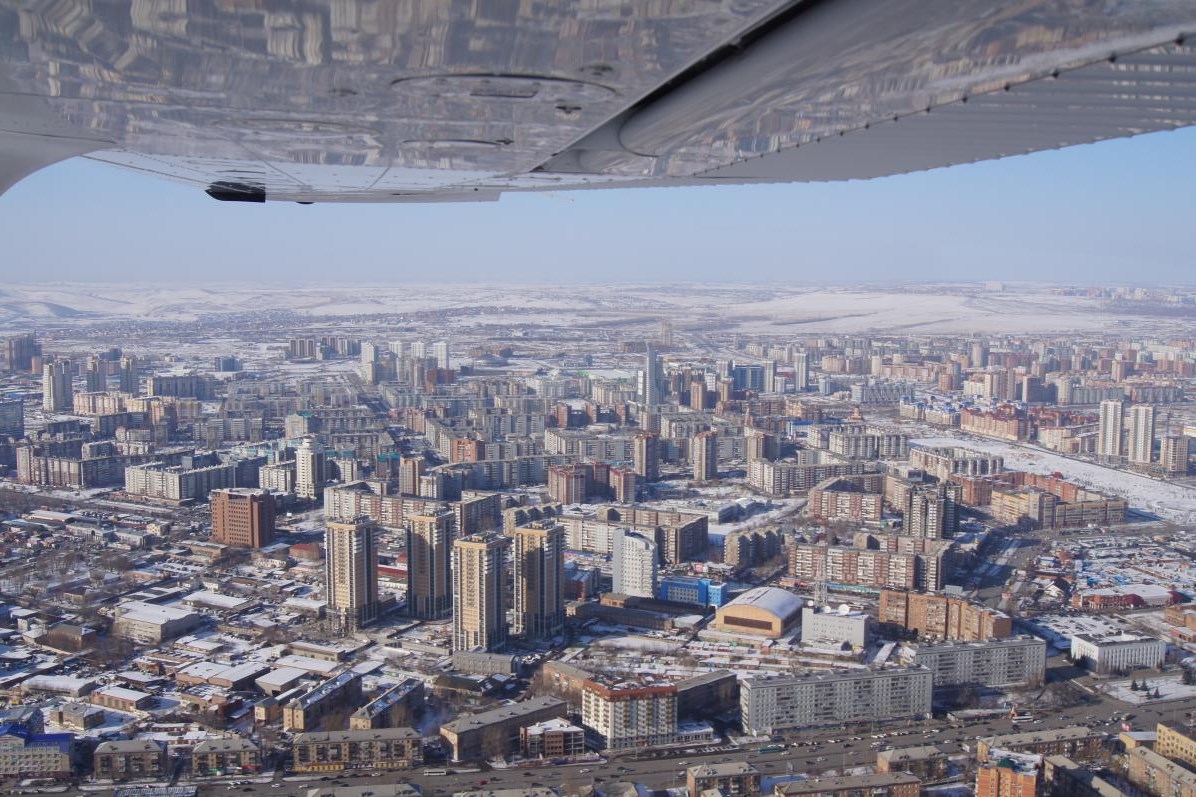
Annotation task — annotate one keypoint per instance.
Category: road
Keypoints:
(667, 768)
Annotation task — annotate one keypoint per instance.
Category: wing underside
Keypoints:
(370, 101)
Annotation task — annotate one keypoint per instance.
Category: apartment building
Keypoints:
(937, 616)
(243, 518)
(1158, 776)
(619, 714)
(311, 710)
(1175, 745)
(1077, 742)
(780, 703)
(35, 755)
(552, 739)
(947, 461)
(479, 614)
(890, 784)
(1010, 774)
(539, 577)
(844, 499)
(129, 759)
(817, 562)
(1018, 661)
(429, 565)
(226, 756)
(487, 734)
(373, 749)
(397, 707)
(731, 779)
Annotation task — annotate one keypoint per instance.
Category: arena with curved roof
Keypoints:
(763, 611)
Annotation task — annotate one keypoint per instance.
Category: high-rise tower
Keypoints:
(57, 390)
(1141, 434)
(649, 387)
(647, 456)
(704, 453)
(1108, 439)
(311, 467)
(429, 565)
(479, 613)
(633, 564)
(539, 580)
(351, 573)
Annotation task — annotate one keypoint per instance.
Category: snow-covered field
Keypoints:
(763, 309)
(1170, 687)
(1170, 501)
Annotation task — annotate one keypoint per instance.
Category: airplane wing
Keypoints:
(452, 100)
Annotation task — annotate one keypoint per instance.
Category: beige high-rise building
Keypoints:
(704, 453)
(351, 573)
(429, 565)
(311, 465)
(1173, 453)
(646, 460)
(410, 470)
(539, 580)
(479, 613)
(57, 390)
(760, 445)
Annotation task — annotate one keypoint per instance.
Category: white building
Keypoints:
(835, 626)
(633, 566)
(777, 703)
(1020, 661)
(1108, 436)
(440, 350)
(310, 469)
(1141, 434)
(152, 623)
(1119, 653)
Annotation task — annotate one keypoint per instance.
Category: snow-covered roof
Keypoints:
(779, 602)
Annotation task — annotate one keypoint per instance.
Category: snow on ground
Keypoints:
(1170, 501)
(639, 643)
(1170, 687)
(769, 309)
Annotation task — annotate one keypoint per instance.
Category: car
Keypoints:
(583, 771)
(527, 774)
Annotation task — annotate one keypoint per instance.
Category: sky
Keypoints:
(1116, 212)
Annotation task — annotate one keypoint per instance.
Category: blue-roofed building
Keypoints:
(34, 755)
(698, 591)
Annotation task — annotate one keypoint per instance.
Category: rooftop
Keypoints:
(502, 713)
(1044, 735)
(853, 782)
(780, 602)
